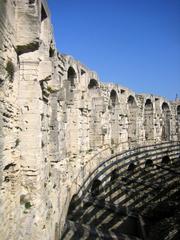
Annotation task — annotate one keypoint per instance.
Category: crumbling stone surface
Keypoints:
(56, 117)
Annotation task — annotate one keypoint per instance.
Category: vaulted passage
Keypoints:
(166, 114)
(71, 76)
(113, 108)
(178, 121)
(96, 187)
(70, 85)
(93, 84)
(165, 160)
(132, 115)
(178, 112)
(113, 98)
(148, 163)
(148, 120)
(93, 89)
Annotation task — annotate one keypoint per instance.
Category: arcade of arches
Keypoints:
(62, 128)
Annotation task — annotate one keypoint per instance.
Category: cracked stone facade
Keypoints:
(55, 116)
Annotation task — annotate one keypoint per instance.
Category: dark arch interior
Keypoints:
(131, 100)
(166, 122)
(114, 175)
(165, 107)
(148, 120)
(148, 103)
(51, 50)
(132, 119)
(95, 189)
(93, 84)
(32, 2)
(71, 76)
(165, 160)
(113, 97)
(43, 12)
(131, 167)
(178, 110)
(148, 163)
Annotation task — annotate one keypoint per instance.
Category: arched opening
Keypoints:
(166, 114)
(131, 167)
(148, 163)
(95, 99)
(114, 120)
(43, 13)
(178, 122)
(93, 84)
(32, 2)
(178, 112)
(165, 160)
(114, 175)
(132, 115)
(148, 120)
(95, 188)
(51, 50)
(71, 75)
(113, 98)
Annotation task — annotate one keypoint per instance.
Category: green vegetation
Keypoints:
(28, 205)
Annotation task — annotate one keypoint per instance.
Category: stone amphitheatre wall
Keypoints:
(55, 115)
(131, 183)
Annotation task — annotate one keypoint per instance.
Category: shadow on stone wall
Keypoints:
(139, 200)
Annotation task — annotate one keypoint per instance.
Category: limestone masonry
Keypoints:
(55, 117)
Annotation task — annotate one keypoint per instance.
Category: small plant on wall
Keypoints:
(28, 205)
(10, 69)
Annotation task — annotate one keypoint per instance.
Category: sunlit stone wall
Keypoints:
(55, 116)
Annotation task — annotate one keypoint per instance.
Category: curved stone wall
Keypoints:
(123, 195)
(55, 116)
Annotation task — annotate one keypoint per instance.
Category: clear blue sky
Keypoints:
(135, 43)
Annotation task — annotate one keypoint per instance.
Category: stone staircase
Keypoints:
(98, 219)
(127, 206)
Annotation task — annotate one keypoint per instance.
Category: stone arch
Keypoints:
(114, 175)
(51, 50)
(149, 120)
(93, 89)
(165, 160)
(95, 113)
(178, 121)
(71, 76)
(114, 121)
(148, 163)
(43, 13)
(113, 98)
(166, 114)
(32, 2)
(93, 84)
(132, 118)
(165, 106)
(178, 112)
(131, 167)
(96, 187)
